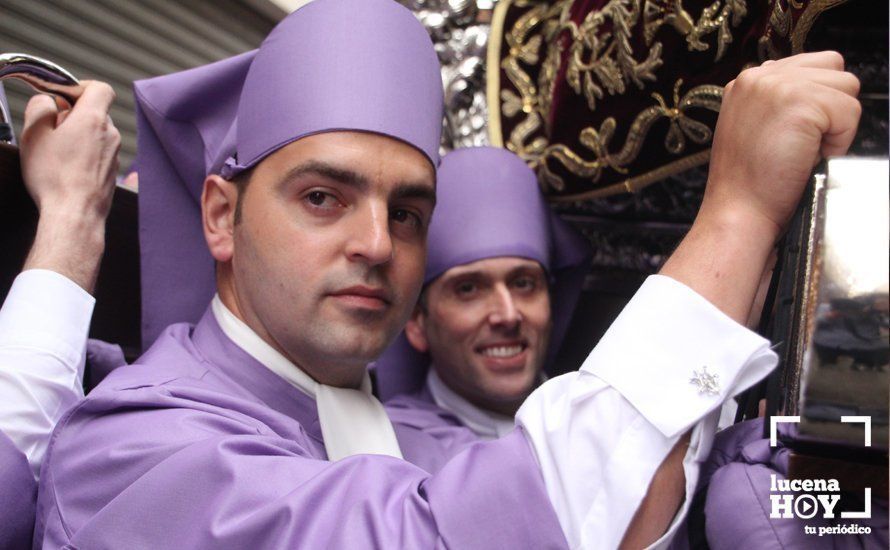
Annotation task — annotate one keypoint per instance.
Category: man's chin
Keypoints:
(511, 389)
(350, 342)
(365, 349)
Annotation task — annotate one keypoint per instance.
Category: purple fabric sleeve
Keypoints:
(103, 357)
(18, 494)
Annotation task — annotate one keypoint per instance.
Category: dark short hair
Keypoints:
(241, 181)
(422, 300)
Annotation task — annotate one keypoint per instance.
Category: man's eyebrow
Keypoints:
(526, 269)
(415, 190)
(533, 268)
(327, 171)
(405, 190)
(463, 275)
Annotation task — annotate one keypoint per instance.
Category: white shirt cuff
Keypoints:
(676, 338)
(49, 312)
(601, 434)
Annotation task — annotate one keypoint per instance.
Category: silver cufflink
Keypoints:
(705, 382)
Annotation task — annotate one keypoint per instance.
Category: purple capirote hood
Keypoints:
(361, 65)
(488, 205)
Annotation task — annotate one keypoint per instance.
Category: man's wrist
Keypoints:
(75, 212)
(70, 242)
(723, 256)
(738, 222)
(79, 229)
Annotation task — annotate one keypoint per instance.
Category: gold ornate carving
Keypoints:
(779, 25)
(718, 17)
(715, 18)
(601, 61)
(659, 12)
(791, 21)
(780, 20)
(810, 13)
(598, 141)
(599, 58)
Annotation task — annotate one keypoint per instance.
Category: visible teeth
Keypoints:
(502, 351)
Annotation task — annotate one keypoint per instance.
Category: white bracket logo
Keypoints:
(860, 420)
(774, 422)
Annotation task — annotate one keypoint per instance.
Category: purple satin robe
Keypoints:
(199, 446)
(416, 415)
(18, 495)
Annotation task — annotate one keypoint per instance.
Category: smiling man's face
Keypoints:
(486, 326)
(327, 257)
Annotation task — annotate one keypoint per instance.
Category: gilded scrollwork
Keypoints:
(789, 24)
(600, 61)
(717, 18)
(600, 58)
(681, 125)
(779, 25)
(780, 21)
(660, 12)
(598, 141)
(525, 41)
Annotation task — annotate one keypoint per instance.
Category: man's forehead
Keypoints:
(351, 157)
(494, 267)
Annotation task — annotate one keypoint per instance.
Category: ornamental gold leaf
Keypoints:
(717, 18)
(511, 103)
(530, 51)
(698, 132)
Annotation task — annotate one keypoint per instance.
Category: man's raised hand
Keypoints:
(69, 158)
(776, 122)
(69, 163)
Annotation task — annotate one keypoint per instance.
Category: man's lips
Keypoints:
(504, 354)
(363, 296)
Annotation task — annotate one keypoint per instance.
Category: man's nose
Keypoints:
(504, 310)
(370, 239)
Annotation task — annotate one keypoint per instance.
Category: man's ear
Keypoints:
(219, 200)
(416, 332)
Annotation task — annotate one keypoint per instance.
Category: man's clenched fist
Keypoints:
(776, 122)
(69, 164)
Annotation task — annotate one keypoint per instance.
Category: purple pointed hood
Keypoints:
(488, 205)
(361, 65)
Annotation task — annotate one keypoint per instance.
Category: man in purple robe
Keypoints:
(291, 188)
(69, 161)
(503, 274)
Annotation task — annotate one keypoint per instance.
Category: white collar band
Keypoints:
(486, 424)
(352, 420)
